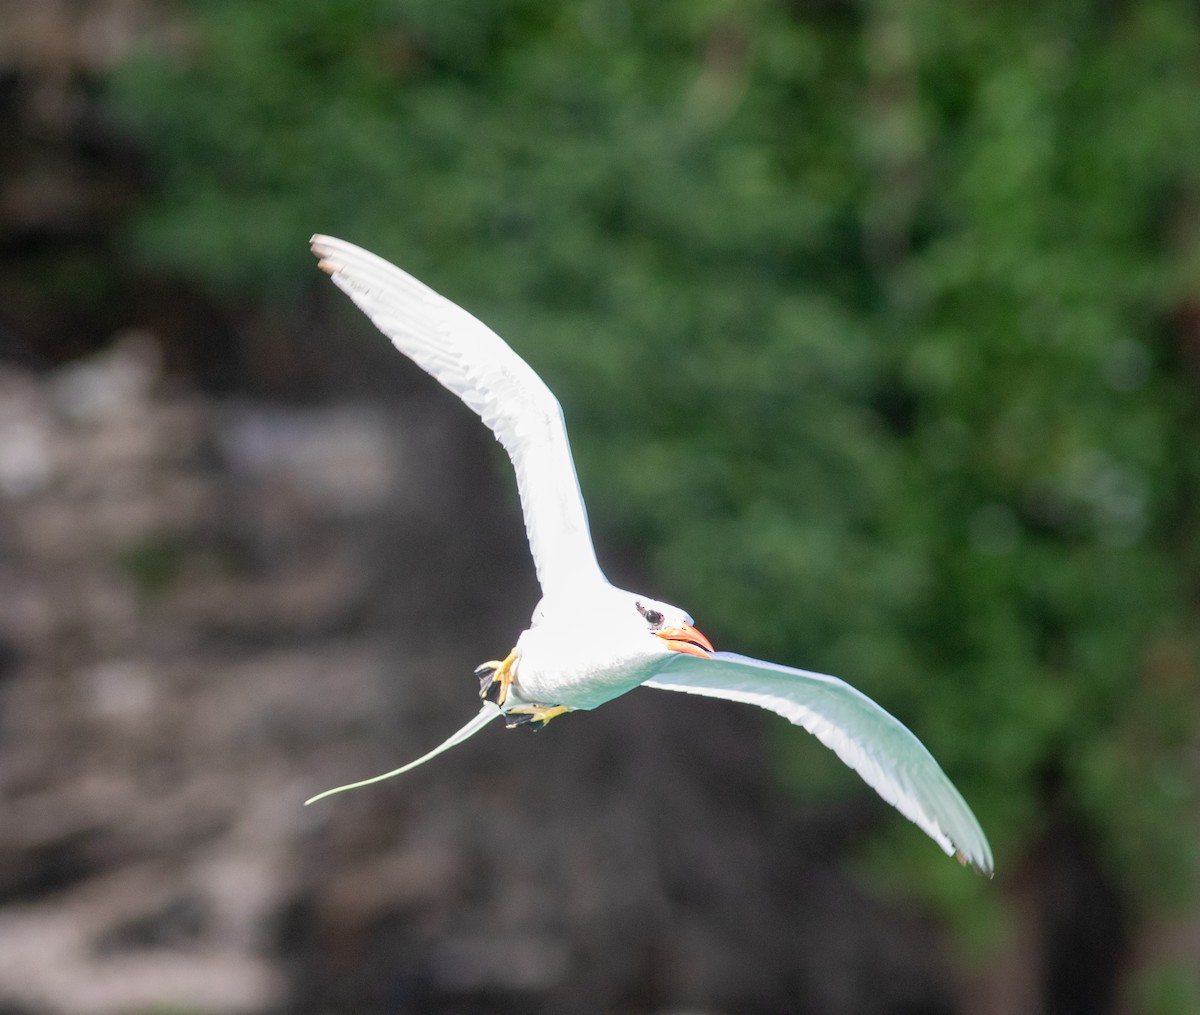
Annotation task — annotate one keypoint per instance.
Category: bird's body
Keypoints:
(583, 651)
(588, 641)
(554, 664)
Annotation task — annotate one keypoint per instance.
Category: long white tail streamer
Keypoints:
(487, 713)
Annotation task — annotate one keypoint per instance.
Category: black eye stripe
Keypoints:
(653, 617)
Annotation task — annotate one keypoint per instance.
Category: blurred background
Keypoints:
(877, 328)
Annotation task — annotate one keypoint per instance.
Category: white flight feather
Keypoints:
(475, 363)
(881, 749)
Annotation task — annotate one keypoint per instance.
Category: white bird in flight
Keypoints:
(588, 641)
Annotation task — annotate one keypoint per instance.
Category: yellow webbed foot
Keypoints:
(533, 717)
(495, 677)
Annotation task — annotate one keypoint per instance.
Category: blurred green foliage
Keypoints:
(877, 322)
(1173, 989)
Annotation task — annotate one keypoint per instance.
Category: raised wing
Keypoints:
(876, 745)
(476, 364)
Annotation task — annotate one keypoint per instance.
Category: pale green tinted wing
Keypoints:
(876, 745)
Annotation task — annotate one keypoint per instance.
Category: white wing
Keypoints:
(475, 363)
(875, 744)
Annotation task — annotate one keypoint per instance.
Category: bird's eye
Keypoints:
(653, 617)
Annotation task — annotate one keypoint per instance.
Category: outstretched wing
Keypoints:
(875, 744)
(476, 364)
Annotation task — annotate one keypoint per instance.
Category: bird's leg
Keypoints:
(495, 676)
(533, 717)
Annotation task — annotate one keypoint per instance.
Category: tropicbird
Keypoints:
(626, 640)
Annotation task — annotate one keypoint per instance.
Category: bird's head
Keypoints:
(669, 625)
(611, 629)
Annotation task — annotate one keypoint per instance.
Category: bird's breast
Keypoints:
(561, 668)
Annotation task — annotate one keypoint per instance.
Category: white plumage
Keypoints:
(589, 642)
(474, 362)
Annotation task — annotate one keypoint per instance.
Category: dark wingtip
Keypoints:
(317, 246)
(979, 868)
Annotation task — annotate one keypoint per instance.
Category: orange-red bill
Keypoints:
(686, 639)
